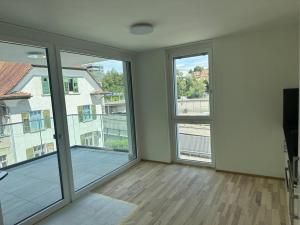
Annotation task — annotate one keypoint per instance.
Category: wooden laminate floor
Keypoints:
(185, 195)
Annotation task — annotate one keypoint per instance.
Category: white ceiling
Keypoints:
(19, 54)
(176, 21)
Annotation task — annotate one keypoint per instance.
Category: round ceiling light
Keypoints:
(141, 28)
(36, 55)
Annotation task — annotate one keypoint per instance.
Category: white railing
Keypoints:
(193, 106)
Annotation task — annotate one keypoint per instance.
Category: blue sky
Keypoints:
(185, 64)
(108, 65)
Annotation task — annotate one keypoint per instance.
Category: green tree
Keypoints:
(189, 86)
(197, 88)
(113, 82)
(189, 82)
(198, 68)
(120, 144)
(181, 84)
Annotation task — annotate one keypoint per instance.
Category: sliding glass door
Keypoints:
(28, 150)
(192, 106)
(66, 122)
(99, 116)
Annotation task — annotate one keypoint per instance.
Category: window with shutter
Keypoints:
(66, 85)
(70, 85)
(94, 113)
(39, 150)
(80, 113)
(45, 86)
(75, 85)
(47, 119)
(70, 82)
(86, 111)
(36, 121)
(29, 153)
(25, 121)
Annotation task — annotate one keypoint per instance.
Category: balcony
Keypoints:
(35, 185)
(98, 147)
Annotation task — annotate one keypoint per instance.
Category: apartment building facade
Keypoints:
(26, 122)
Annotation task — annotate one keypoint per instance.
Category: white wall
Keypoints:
(151, 94)
(250, 70)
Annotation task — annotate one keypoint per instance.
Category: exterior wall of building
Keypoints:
(117, 107)
(77, 129)
(32, 83)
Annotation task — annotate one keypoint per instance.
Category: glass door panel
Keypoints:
(192, 86)
(28, 151)
(194, 142)
(192, 110)
(98, 114)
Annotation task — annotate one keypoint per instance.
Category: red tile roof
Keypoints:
(201, 74)
(11, 74)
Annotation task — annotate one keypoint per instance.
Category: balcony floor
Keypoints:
(33, 186)
(194, 147)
